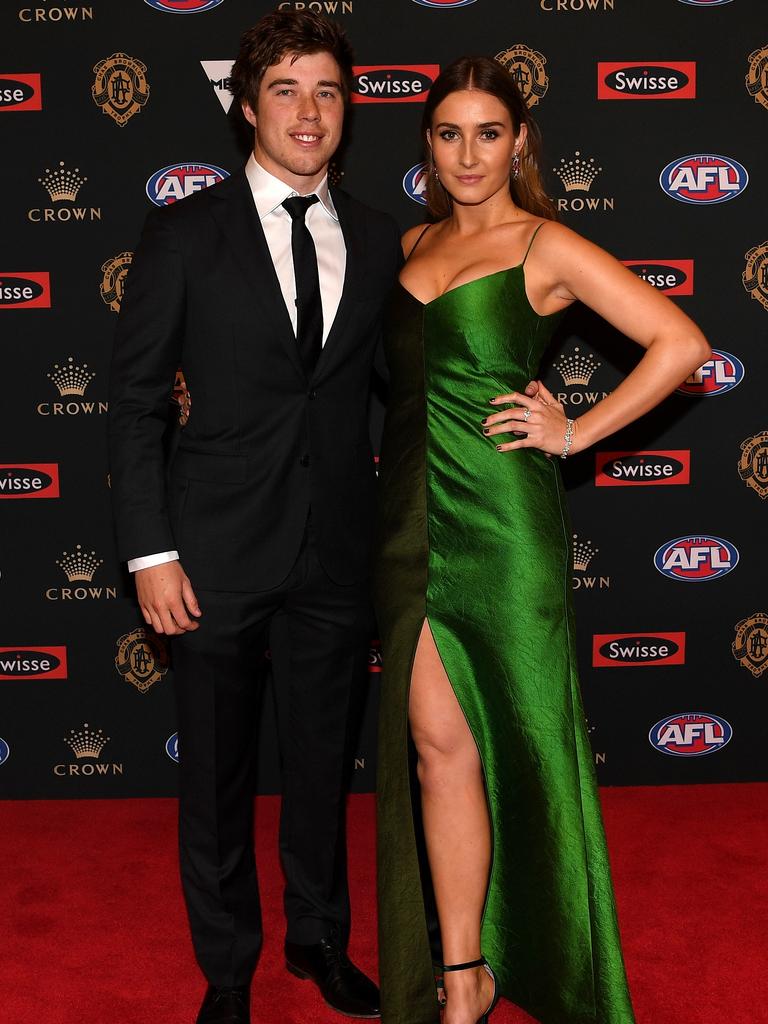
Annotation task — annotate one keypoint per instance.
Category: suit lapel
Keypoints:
(353, 232)
(236, 215)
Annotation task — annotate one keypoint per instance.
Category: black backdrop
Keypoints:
(688, 644)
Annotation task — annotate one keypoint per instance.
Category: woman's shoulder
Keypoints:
(412, 236)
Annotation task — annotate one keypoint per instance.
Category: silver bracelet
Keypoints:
(568, 440)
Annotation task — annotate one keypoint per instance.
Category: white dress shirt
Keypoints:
(323, 224)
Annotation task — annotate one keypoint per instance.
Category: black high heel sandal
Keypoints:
(482, 962)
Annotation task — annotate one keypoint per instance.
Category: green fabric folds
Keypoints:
(478, 542)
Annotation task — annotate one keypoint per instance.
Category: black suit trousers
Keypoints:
(318, 633)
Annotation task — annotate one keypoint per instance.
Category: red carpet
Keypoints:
(94, 932)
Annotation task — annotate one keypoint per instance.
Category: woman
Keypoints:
(474, 579)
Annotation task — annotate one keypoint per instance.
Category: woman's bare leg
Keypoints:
(456, 826)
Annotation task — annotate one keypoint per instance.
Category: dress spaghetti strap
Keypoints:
(533, 237)
(413, 247)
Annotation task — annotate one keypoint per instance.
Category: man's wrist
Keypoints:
(149, 561)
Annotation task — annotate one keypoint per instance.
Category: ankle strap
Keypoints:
(465, 967)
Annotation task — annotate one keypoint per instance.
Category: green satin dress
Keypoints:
(478, 543)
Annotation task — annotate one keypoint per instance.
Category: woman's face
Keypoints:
(473, 143)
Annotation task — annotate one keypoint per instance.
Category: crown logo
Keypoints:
(86, 742)
(576, 368)
(583, 553)
(61, 183)
(71, 379)
(79, 564)
(577, 175)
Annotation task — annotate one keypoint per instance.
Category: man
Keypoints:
(259, 532)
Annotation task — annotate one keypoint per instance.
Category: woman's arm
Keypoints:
(568, 268)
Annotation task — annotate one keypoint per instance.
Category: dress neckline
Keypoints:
(476, 280)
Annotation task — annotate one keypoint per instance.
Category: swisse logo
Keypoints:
(444, 3)
(637, 650)
(375, 662)
(415, 183)
(637, 80)
(19, 290)
(691, 734)
(393, 83)
(673, 277)
(184, 6)
(696, 559)
(177, 181)
(33, 662)
(172, 747)
(643, 469)
(20, 92)
(31, 481)
(723, 372)
(704, 179)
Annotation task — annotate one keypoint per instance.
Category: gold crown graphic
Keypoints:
(577, 175)
(79, 564)
(86, 742)
(576, 368)
(71, 379)
(583, 553)
(61, 183)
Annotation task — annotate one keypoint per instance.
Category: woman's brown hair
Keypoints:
(278, 34)
(489, 76)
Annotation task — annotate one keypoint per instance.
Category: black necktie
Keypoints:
(309, 308)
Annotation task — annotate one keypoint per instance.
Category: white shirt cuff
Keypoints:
(147, 561)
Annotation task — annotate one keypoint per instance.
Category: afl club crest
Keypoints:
(526, 66)
(757, 77)
(753, 464)
(750, 648)
(121, 88)
(755, 276)
(113, 279)
(141, 659)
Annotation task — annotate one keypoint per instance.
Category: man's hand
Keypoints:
(166, 599)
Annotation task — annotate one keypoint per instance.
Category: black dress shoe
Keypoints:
(344, 988)
(225, 1006)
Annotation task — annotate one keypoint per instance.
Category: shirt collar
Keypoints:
(269, 191)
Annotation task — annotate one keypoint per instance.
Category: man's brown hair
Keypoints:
(276, 35)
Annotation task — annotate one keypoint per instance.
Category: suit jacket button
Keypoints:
(304, 460)
(312, 394)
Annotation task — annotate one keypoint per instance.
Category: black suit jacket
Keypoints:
(263, 443)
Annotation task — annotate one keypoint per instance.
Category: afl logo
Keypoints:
(704, 179)
(444, 3)
(177, 181)
(696, 559)
(415, 183)
(705, 3)
(691, 734)
(723, 372)
(5, 751)
(184, 6)
(172, 747)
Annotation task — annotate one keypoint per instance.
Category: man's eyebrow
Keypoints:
(293, 81)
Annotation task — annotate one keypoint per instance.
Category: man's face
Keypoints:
(299, 119)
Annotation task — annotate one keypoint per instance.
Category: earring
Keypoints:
(434, 171)
(516, 165)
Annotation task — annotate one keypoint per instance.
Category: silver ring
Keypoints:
(527, 415)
